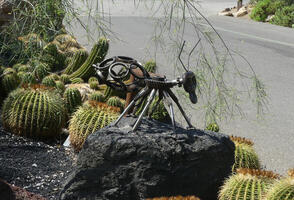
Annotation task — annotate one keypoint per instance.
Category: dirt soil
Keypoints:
(35, 166)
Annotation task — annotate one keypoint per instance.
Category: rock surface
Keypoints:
(118, 164)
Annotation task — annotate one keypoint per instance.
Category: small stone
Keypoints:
(34, 165)
(241, 12)
(269, 18)
(228, 13)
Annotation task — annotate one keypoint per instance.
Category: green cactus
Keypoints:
(73, 99)
(65, 78)
(282, 189)
(160, 113)
(49, 81)
(150, 66)
(116, 102)
(10, 80)
(59, 86)
(77, 80)
(97, 55)
(213, 127)
(40, 69)
(17, 66)
(90, 117)
(93, 79)
(247, 184)
(53, 57)
(33, 112)
(25, 68)
(97, 96)
(94, 85)
(245, 156)
(55, 76)
(27, 78)
(62, 38)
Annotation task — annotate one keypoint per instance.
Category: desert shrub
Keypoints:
(265, 8)
(284, 16)
(37, 18)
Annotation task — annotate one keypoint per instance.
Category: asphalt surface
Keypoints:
(269, 48)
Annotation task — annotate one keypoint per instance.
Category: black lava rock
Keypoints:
(116, 163)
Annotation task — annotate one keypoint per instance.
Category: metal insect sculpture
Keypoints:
(115, 70)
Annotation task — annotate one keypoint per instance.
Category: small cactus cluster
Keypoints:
(282, 189)
(98, 53)
(175, 198)
(33, 111)
(150, 66)
(94, 83)
(116, 102)
(97, 96)
(73, 99)
(90, 117)
(160, 113)
(245, 155)
(247, 184)
(40, 69)
(213, 127)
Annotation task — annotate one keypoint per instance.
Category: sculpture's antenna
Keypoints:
(192, 52)
(180, 56)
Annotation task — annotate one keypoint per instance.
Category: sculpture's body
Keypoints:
(114, 70)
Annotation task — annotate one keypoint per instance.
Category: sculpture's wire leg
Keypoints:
(150, 99)
(142, 93)
(175, 99)
(170, 105)
(160, 97)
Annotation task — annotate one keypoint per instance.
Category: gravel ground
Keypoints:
(35, 166)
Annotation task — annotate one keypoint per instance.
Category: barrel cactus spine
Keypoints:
(90, 117)
(73, 99)
(97, 55)
(245, 155)
(282, 189)
(33, 112)
(247, 184)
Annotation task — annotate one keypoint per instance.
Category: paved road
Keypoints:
(269, 48)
